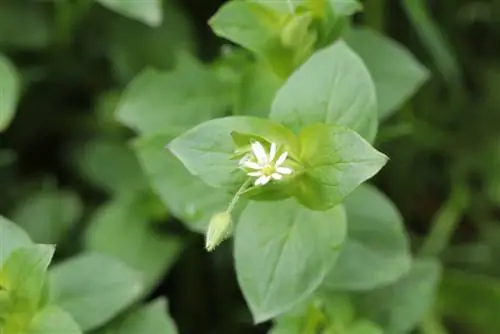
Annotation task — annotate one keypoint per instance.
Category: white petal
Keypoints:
(276, 176)
(255, 174)
(284, 170)
(243, 160)
(272, 152)
(281, 159)
(259, 152)
(262, 180)
(252, 165)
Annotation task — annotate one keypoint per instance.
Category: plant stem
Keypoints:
(446, 220)
(238, 194)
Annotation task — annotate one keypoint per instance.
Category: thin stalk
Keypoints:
(445, 221)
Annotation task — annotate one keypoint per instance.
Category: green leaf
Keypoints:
(151, 319)
(336, 161)
(207, 149)
(364, 327)
(12, 237)
(10, 88)
(133, 46)
(53, 320)
(23, 276)
(399, 307)
(94, 288)
(471, 300)
(97, 161)
(376, 251)
(150, 103)
(345, 7)
(49, 214)
(257, 90)
(121, 230)
(185, 196)
(396, 81)
(283, 252)
(333, 87)
(149, 12)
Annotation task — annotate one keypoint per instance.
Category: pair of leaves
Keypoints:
(335, 159)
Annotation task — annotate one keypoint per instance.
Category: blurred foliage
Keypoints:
(91, 91)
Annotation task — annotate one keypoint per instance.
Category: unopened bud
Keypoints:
(296, 31)
(218, 230)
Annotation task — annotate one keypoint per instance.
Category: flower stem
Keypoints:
(446, 220)
(238, 194)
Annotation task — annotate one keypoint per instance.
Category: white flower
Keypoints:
(266, 169)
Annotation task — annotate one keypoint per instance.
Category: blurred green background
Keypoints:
(68, 176)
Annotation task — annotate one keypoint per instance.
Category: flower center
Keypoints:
(268, 170)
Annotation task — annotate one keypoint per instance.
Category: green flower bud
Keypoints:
(218, 230)
(296, 31)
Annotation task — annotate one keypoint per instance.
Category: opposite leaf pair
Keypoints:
(323, 164)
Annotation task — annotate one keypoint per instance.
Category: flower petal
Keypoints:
(284, 170)
(251, 165)
(272, 152)
(262, 180)
(259, 152)
(276, 176)
(281, 159)
(259, 173)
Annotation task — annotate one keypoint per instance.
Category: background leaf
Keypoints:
(151, 319)
(173, 101)
(376, 251)
(10, 89)
(94, 288)
(122, 230)
(401, 306)
(395, 81)
(149, 12)
(49, 214)
(283, 252)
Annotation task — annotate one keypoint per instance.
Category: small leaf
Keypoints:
(399, 307)
(376, 251)
(149, 12)
(121, 230)
(185, 196)
(150, 319)
(207, 149)
(49, 214)
(23, 276)
(332, 87)
(396, 81)
(98, 161)
(10, 89)
(336, 161)
(94, 288)
(12, 237)
(53, 320)
(283, 252)
(174, 101)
